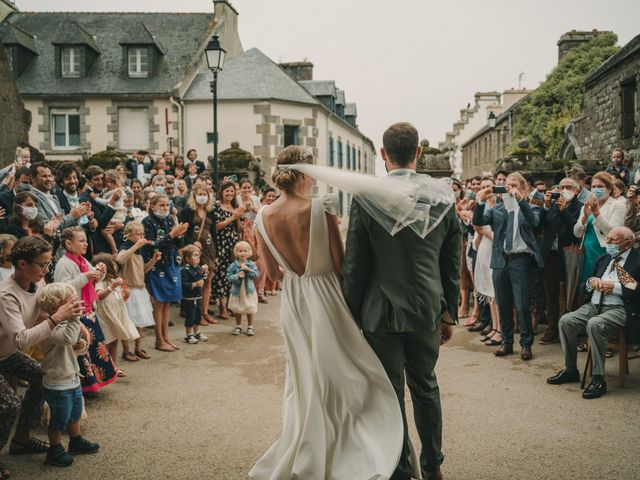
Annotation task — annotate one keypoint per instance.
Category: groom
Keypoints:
(403, 292)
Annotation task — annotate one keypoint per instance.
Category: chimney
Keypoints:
(574, 39)
(226, 18)
(298, 70)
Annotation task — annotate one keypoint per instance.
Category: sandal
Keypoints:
(34, 445)
(121, 374)
(608, 353)
(129, 356)
(470, 322)
(142, 354)
(493, 343)
(165, 348)
(582, 347)
(489, 335)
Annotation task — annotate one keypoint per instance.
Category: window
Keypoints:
(365, 162)
(70, 62)
(353, 157)
(133, 128)
(290, 135)
(65, 129)
(629, 98)
(210, 137)
(359, 161)
(332, 159)
(138, 62)
(339, 154)
(348, 157)
(340, 203)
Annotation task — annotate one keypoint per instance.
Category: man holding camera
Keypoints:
(562, 209)
(514, 255)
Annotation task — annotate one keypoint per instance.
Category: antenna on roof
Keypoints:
(520, 78)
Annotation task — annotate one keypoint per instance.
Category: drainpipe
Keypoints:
(180, 107)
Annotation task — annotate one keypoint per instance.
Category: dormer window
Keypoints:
(139, 62)
(70, 62)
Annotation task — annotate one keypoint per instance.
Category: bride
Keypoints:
(341, 418)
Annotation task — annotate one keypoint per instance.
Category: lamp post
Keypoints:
(215, 59)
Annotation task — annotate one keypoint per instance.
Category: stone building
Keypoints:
(264, 107)
(482, 150)
(611, 112)
(472, 119)
(574, 39)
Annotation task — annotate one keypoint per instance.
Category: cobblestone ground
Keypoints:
(211, 410)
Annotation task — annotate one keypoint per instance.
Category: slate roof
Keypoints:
(180, 35)
(72, 33)
(249, 76)
(320, 88)
(630, 49)
(11, 34)
(351, 109)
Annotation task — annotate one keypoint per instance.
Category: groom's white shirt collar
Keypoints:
(400, 171)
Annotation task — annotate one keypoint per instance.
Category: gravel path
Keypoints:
(212, 409)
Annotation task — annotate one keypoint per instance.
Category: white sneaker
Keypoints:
(190, 339)
(201, 337)
(237, 331)
(250, 332)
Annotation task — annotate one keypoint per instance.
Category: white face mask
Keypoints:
(30, 212)
(202, 199)
(568, 195)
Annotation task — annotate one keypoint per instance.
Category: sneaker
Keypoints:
(237, 331)
(57, 457)
(80, 445)
(191, 338)
(201, 337)
(250, 332)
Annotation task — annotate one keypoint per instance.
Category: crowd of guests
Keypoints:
(562, 255)
(89, 259)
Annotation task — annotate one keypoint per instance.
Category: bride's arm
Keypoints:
(335, 243)
(273, 269)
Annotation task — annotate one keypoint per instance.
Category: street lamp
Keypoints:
(492, 120)
(215, 59)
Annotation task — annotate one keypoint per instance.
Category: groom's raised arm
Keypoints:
(355, 269)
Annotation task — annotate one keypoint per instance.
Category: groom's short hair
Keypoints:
(400, 141)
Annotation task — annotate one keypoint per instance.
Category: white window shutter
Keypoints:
(133, 128)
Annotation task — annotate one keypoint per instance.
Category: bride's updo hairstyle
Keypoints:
(286, 179)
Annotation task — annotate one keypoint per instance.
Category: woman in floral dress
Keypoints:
(226, 214)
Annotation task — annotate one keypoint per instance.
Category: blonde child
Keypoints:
(193, 279)
(133, 269)
(6, 244)
(111, 308)
(112, 184)
(244, 298)
(61, 378)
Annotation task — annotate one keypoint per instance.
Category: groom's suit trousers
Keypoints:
(416, 353)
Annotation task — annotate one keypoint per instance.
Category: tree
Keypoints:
(542, 116)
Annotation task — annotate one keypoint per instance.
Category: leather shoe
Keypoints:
(526, 354)
(564, 376)
(478, 327)
(437, 475)
(549, 336)
(504, 350)
(595, 389)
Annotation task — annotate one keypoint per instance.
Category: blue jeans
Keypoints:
(513, 285)
(65, 406)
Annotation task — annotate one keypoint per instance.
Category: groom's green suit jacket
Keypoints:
(401, 283)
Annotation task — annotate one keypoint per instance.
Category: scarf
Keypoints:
(88, 292)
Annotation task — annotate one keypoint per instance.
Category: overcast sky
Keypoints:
(412, 60)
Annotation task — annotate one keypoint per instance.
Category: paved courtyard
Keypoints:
(211, 410)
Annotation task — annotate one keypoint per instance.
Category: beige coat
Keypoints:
(611, 216)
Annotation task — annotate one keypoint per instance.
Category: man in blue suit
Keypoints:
(515, 253)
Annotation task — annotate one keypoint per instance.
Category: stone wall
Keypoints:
(15, 120)
(599, 130)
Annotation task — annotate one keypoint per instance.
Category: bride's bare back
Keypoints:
(288, 223)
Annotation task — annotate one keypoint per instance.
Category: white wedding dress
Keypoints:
(341, 417)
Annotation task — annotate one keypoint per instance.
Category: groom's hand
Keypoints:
(446, 332)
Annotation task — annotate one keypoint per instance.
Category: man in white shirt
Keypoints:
(615, 300)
